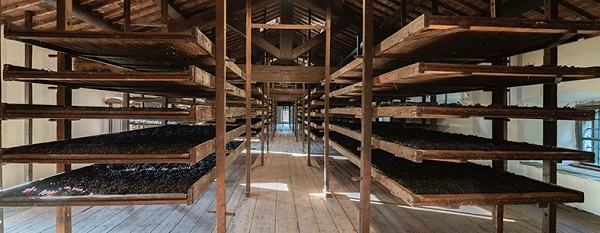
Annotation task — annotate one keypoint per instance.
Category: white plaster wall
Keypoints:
(582, 53)
(43, 130)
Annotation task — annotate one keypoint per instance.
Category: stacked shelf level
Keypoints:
(172, 66)
(450, 54)
(433, 183)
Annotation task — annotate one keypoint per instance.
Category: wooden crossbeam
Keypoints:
(86, 16)
(288, 26)
(256, 40)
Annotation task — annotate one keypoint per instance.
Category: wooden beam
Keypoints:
(172, 12)
(220, 75)
(248, 94)
(338, 15)
(328, 32)
(317, 40)
(258, 41)
(206, 18)
(577, 10)
(28, 95)
(286, 37)
(86, 16)
(499, 126)
(550, 100)
(284, 26)
(64, 12)
(127, 15)
(366, 121)
(287, 74)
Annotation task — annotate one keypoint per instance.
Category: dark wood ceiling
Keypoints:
(346, 15)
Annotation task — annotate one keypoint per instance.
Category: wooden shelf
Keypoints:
(195, 113)
(523, 196)
(434, 78)
(466, 112)
(193, 82)
(192, 194)
(456, 155)
(467, 39)
(192, 155)
(142, 51)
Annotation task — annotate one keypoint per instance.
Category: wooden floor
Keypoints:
(286, 198)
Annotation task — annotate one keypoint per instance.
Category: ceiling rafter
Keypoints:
(87, 16)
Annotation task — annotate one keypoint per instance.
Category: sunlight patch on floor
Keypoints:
(272, 186)
(467, 211)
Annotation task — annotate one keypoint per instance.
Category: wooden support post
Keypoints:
(220, 75)
(499, 126)
(327, 188)
(269, 111)
(1, 146)
(127, 15)
(295, 119)
(248, 93)
(125, 122)
(28, 95)
(308, 127)
(64, 12)
(164, 14)
(303, 126)
(367, 118)
(263, 126)
(286, 36)
(550, 126)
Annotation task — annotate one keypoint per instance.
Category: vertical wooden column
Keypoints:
(308, 139)
(302, 125)
(221, 29)
(248, 93)
(275, 118)
(327, 188)
(263, 126)
(549, 126)
(127, 15)
(295, 118)
(28, 95)
(64, 12)
(125, 122)
(367, 119)
(286, 36)
(164, 15)
(499, 126)
(1, 170)
(270, 120)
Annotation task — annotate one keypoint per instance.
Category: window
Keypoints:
(588, 134)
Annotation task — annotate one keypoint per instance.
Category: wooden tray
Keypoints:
(458, 199)
(418, 155)
(193, 155)
(466, 112)
(195, 113)
(467, 39)
(193, 82)
(192, 194)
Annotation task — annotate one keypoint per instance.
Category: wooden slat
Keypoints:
(193, 82)
(193, 193)
(196, 113)
(461, 198)
(447, 38)
(152, 50)
(432, 78)
(194, 155)
(466, 112)
(418, 155)
(287, 26)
